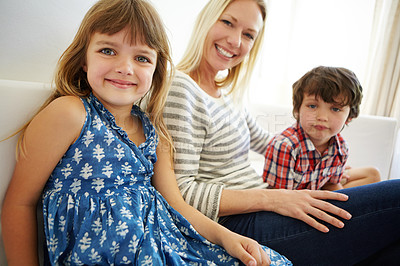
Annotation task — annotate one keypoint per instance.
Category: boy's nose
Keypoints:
(322, 115)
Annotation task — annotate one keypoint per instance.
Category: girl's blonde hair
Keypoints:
(238, 77)
(110, 17)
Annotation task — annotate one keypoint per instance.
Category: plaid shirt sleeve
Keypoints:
(279, 164)
(339, 161)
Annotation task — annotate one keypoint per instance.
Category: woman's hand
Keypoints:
(245, 249)
(306, 205)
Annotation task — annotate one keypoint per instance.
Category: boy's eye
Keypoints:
(336, 109)
(107, 51)
(312, 106)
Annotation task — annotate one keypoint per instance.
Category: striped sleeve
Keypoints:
(186, 116)
(259, 137)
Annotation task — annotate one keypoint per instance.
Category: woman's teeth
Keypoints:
(224, 52)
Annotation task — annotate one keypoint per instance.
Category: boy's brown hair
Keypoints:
(329, 83)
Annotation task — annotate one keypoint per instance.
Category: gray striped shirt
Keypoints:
(212, 138)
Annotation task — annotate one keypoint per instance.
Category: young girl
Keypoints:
(93, 155)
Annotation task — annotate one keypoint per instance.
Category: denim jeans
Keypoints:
(374, 227)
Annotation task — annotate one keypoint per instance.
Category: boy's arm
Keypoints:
(340, 162)
(332, 187)
(279, 165)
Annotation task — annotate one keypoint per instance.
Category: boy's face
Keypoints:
(321, 120)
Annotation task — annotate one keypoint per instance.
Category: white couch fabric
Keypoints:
(19, 100)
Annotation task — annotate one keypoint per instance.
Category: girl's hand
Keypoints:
(245, 249)
(306, 204)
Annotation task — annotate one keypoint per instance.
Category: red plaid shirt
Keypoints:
(292, 161)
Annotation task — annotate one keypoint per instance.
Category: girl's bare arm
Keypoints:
(243, 248)
(46, 140)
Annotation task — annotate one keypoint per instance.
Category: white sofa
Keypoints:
(371, 139)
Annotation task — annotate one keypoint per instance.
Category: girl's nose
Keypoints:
(125, 67)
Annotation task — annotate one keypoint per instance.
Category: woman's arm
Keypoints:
(259, 137)
(46, 140)
(187, 117)
(243, 248)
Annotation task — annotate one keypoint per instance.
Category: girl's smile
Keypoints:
(121, 83)
(119, 72)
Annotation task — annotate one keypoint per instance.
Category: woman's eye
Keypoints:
(107, 51)
(226, 22)
(142, 59)
(249, 36)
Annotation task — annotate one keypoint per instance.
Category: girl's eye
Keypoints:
(107, 51)
(142, 59)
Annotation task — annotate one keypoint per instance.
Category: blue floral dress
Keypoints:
(101, 209)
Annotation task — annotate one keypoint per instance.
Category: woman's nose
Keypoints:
(235, 38)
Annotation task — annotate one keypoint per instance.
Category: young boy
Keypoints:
(312, 154)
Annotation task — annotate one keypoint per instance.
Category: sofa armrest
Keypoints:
(19, 101)
(371, 140)
(395, 169)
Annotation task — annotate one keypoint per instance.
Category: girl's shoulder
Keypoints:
(65, 112)
(69, 107)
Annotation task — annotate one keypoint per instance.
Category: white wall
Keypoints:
(300, 35)
(35, 33)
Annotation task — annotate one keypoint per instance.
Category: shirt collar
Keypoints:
(335, 143)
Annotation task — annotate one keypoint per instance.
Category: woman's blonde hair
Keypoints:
(238, 77)
(110, 17)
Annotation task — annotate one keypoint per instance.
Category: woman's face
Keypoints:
(231, 38)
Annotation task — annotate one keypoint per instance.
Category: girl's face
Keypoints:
(119, 72)
(321, 120)
(231, 38)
